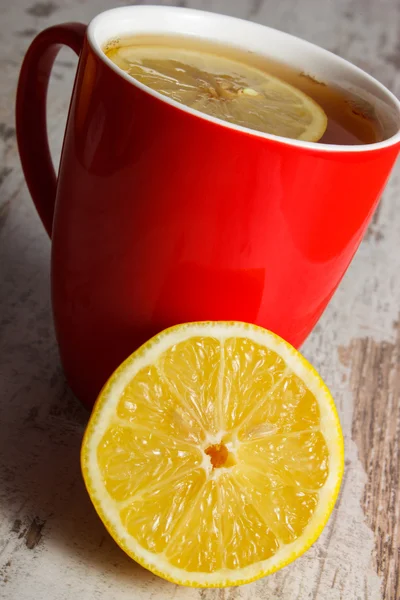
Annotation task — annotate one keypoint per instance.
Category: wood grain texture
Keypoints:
(52, 544)
(375, 382)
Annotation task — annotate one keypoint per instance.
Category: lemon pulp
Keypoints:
(214, 454)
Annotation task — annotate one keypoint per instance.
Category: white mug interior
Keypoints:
(117, 23)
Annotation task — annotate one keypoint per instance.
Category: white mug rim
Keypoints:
(97, 48)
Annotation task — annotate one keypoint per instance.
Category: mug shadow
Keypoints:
(43, 500)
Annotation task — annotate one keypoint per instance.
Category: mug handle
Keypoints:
(31, 127)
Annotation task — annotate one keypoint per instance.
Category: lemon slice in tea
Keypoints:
(225, 89)
(214, 454)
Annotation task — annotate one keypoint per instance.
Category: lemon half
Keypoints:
(214, 454)
(224, 88)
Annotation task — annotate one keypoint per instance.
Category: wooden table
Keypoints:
(52, 545)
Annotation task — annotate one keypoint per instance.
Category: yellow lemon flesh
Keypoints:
(214, 454)
(225, 89)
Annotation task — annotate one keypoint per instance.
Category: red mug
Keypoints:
(161, 214)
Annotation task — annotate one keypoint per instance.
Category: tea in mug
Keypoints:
(246, 89)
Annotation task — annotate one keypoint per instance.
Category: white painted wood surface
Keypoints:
(52, 545)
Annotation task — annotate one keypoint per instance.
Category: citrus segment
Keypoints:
(147, 398)
(160, 511)
(197, 546)
(192, 372)
(251, 373)
(247, 539)
(130, 460)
